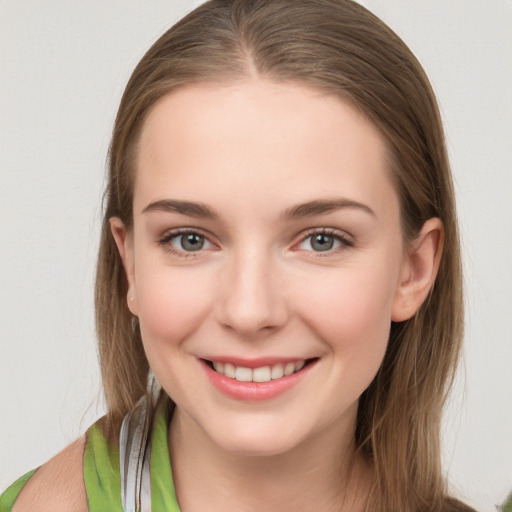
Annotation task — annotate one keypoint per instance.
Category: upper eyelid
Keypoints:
(334, 232)
(304, 233)
(171, 233)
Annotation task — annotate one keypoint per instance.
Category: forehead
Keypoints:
(258, 138)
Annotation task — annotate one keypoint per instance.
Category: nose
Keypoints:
(251, 299)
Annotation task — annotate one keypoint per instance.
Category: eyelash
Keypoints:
(165, 240)
(338, 236)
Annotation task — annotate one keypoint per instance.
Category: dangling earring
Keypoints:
(135, 450)
(154, 386)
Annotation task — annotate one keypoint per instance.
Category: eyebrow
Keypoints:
(322, 207)
(192, 209)
(299, 211)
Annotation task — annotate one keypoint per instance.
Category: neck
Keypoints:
(323, 473)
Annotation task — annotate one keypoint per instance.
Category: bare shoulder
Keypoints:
(58, 485)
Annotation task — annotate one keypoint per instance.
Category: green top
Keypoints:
(102, 475)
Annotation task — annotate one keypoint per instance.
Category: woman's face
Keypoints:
(266, 240)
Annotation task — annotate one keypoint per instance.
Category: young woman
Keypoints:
(278, 292)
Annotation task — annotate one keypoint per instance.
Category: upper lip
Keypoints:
(254, 362)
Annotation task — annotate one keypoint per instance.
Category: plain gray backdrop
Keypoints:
(63, 67)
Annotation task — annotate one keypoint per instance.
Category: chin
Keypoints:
(256, 447)
(256, 439)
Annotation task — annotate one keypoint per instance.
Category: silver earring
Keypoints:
(154, 386)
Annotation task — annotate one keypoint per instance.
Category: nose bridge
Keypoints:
(251, 300)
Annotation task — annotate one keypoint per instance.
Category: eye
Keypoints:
(324, 241)
(183, 242)
(189, 242)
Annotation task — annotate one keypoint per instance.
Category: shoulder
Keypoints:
(58, 485)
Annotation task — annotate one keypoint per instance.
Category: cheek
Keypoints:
(352, 316)
(171, 303)
(350, 309)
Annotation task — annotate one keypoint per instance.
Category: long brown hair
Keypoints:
(338, 47)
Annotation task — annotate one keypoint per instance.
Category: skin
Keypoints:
(258, 288)
(58, 485)
(251, 151)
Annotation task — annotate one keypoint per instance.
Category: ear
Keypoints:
(419, 270)
(124, 242)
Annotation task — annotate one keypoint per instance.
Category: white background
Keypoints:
(63, 66)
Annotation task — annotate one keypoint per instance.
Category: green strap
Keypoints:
(163, 494)
(11, 494)
(101, 473)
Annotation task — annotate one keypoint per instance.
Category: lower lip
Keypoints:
(255, 391)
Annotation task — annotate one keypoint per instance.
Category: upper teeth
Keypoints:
(262, 374)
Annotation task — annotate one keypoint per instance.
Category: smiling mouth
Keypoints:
(260, 374)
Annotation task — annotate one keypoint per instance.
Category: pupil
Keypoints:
(322, 242)
(192, 242)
